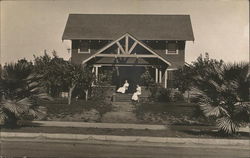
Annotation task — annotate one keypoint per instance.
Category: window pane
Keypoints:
(172, 47)
(84, 46)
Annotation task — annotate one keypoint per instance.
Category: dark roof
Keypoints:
(143, 27)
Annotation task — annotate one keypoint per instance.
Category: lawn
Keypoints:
(79, 110)
(175, 113)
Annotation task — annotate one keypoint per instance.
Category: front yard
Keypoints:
(93, 110)
(181, 119)
(174, 113)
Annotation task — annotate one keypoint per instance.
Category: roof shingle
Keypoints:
(143, 27)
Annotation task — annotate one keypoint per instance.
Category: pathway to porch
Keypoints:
(122, 113)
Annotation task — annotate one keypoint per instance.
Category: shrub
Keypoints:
(178, 96)
(158, 93)
(21, 92)
(146, 79)
(219, 94)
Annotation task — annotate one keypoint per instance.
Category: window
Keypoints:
(172, 47)
(84, 47)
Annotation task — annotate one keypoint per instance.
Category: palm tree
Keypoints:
(222, 91)
(20, 93)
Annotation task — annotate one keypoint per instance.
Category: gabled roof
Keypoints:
(144, 27)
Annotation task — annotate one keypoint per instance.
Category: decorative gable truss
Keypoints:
(126, 47)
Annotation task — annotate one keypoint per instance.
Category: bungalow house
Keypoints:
(128, 45)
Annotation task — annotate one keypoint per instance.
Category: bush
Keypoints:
(178, 96)
(158, 93)
(164, 95)
(222, 95)
(146, 79)
(102, 94)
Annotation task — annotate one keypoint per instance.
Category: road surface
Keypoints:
(31, 149)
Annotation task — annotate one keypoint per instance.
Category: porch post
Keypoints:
(95, 70)
(156, 75)
(166, 79)
(160, 80)
(96, 73)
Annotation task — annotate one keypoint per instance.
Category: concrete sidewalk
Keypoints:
(99, 125)
(132, 139)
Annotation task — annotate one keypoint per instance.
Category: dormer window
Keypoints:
(84, 46)
(172, 47)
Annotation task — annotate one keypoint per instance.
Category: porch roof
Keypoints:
(144, 27)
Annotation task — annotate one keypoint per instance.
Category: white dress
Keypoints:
(123, 88)
(136, 94)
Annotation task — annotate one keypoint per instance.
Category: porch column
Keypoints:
(160, 80)
(156, 75)
(95, 69)
(96, 72)
(166, 79)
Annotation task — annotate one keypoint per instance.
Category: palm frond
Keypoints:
(39, 112)
(3, 116)
(227, 125)
(17, 107)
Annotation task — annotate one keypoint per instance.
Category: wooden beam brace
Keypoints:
(149, 49)
(132, 47)
(120, 46)
(126, 55)
(126, 44)
(104, 48)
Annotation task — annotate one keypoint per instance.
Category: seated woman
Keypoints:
(135, 96)
(123, 88)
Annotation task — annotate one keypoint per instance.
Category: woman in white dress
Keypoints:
(123, 88)
(135, 96)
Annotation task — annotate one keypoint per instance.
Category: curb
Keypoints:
(82, 137)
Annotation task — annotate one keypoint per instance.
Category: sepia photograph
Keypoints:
(124, 79)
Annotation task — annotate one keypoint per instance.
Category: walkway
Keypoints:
(122, 113)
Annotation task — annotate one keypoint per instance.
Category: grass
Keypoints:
(167, 107)
(58, 108)
(177, 113)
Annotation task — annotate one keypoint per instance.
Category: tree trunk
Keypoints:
(86, 94)
(70, 93)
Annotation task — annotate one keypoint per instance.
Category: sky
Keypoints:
(28, 27)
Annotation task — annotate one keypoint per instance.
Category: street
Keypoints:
(94, 150)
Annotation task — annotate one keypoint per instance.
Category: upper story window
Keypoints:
(172, 47)
(84, 46)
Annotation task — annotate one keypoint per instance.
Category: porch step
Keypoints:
(119, 97)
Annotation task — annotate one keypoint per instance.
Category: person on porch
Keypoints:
(135, 96)
(124, 88)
